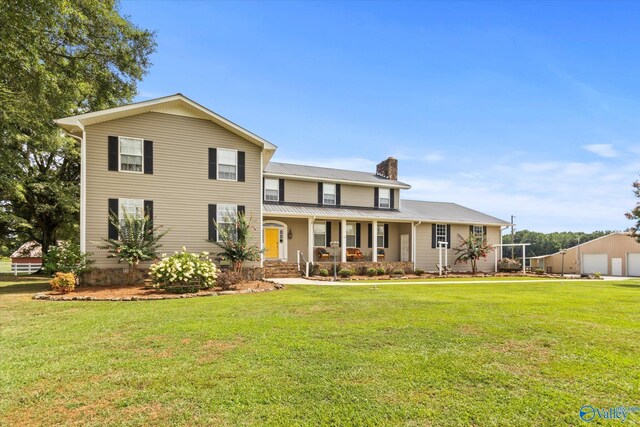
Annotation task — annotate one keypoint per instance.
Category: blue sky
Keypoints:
(524, 108)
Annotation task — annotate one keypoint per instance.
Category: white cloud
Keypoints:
(603, 150)
(433, 157)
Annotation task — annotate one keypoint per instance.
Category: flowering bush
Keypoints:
(63, 282)
(184, 272)
(66, 257)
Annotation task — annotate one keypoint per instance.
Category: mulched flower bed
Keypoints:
(142, 293)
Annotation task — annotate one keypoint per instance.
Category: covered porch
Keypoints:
(354, 240)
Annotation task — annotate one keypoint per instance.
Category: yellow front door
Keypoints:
(272, 243)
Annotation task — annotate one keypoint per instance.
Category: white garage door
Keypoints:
(633, 264)
(592, 263)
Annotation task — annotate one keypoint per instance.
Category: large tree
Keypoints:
(57, 58)
(635, 213)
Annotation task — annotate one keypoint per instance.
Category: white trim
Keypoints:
(355, 234)
(218, 164)
(343, 241)
(72, 122)
(127, 199)
(120, 156)
(313, 234)
(386, 198)
(374, 241)
(283, 248)
(338, 181)
(83, 191)
(335, 194)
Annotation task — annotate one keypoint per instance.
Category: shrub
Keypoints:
(346, 272)
(597, 275)
(538, 271)
(371, 271)
(229, 279)
(323, 272)
(234, 241)
(397, 272)
(419, 272)
(66, 258)
(63, 282)
(184, 272)
(381, 271)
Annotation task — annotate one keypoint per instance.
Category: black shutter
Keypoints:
(281, 189)
(264, 189)
(433, 236)
(471, 230)
(113, 153)
(337, 194)
(320, 194)
(358, 234)
(113, 209)
(376, 193)
(148, 157)
(340, 234)
(449, 236)
(370, 230)
(241, 210)
(148, 209)
(484, 232)
(328, 233)
(386, 235)
(241, 157)
(213, 212)
(213, 164)
(392, 205)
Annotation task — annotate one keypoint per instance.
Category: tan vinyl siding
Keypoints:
(614, 245)
(354, 195)
(179, 186)
(299, 191)
(427, 257)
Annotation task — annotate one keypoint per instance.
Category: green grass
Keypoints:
(526, 354)
(455, 279)
(5, 265)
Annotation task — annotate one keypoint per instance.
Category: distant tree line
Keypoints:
(548, 243)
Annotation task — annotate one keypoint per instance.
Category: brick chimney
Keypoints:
(388, 169)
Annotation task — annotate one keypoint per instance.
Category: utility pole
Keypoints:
(513, 248)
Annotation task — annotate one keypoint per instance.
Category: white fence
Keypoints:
(25, 267)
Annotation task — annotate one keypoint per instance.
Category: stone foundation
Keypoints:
(361, 267)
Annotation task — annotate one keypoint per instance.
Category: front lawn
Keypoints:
(447, 354)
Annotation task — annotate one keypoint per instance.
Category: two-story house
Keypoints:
(186, 166)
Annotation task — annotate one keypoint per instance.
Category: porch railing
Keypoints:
(303, 260)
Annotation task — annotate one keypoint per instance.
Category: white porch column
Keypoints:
(524, 259)
(495, 259)
(343, 241)
(310, 239)
(374, 244)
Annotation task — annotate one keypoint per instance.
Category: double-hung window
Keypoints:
(227, 216)
(133, 207)
(384, 198)
(380, 242)
(329, 194)
(441, 233)
(478, 231)
(227, 164)
(319, 234)
(271, 190)
(131, 154)
(351, 234)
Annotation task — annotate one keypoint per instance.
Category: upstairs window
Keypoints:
(131, 154)
(384, 198)
(227, 164)
(478, 231)
(441, 233)
(329, 194)
(227, 216)
(271, 190)
(319, 233)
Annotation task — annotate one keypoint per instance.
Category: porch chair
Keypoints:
(380, 255)
(322, 254)
(354, 254)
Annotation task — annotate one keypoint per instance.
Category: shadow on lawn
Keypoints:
(24, 288)
(628, 285)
